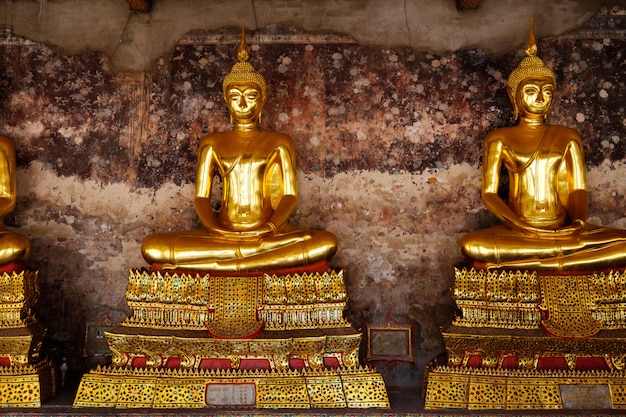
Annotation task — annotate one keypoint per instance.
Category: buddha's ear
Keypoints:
(263, 100)
(513, 102)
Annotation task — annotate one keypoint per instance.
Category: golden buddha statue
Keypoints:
(14, 247)
(259, 193)
(544, 222)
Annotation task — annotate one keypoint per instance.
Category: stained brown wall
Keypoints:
(388, 137)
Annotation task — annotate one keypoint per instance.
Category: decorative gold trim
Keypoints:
(497, 298)
(27, 386)
(19, 291)
(522, 300)
(569, 304)
(529, 348)
(163, 388)
(191, 301)
(191, 350)
(478, 389)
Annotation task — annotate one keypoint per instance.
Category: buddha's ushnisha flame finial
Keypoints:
(242, 51)
(243, 72)
(531, 65)
(531, 47)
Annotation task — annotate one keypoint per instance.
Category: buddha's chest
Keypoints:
(242, 166)
(542, 161)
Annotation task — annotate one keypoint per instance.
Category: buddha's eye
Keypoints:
(531, 91)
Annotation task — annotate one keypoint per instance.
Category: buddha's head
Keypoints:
(531, 84)
(244, 88)
(533, 96)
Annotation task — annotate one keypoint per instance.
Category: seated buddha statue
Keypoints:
(259, 193)
(543, 224)
(14, 247)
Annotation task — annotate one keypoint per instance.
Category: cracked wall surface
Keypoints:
(388, 142)
(135, 41)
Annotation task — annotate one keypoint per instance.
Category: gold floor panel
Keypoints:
(502, 389)
(166, 388)
(26, 386)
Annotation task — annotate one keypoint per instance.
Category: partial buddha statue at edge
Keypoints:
(14, 247)
(544, 223)
(259, 193)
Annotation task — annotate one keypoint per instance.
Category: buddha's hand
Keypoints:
(268, 229)
(571, 231)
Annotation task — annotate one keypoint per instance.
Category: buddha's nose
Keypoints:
(540, 97)
(242, 103)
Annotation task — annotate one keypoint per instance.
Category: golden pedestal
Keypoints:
(264, 341)
(525, 340)
(26, 378)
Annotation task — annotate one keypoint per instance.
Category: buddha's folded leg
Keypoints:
(13, 248)
(173, 248)
(499, 244)
(296, 252)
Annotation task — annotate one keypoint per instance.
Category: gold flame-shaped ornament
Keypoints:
(243, 72)
(531, 65)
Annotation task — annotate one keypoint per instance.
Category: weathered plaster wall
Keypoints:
(134, 41)
(388, 141)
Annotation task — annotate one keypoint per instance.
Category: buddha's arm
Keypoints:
(285, 187)
(578, 200)
(578, 205)
(7, 178)
(204, 181)
(492, 162)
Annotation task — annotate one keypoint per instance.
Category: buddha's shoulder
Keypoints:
(269, 140)
(6, 143)
(215, 139)
(500, 134)
(276, 136)
(565, 131)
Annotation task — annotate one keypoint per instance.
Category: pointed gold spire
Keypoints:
(242, 51)
(531, 65)
(243, 72)
(531, 47)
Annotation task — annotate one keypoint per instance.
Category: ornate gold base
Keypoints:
(25, 377)
(167, 388)
(157, 348)
(26, 386)
(479, 389)
(257, 341)
(532, 349)
(534, 340)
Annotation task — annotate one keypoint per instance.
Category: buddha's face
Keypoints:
(245, 102)
(534, 96)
